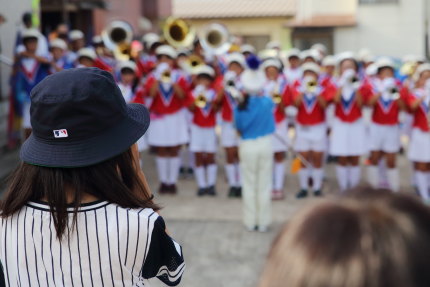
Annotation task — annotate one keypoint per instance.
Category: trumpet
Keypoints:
(178, 33)
(394, 93)
(276, 98)
(166, 77)
(353, 80)
(201, 101)
(117, 37)
(311, 86)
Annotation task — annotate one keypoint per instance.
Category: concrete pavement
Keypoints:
(219, 252)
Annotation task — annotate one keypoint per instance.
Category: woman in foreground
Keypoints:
(78, 211)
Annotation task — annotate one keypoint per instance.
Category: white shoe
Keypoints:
(263, 229)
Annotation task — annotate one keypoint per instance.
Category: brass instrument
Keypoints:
(166, 77)
(178, 33)
(117, 37)
(408, 69)
(276, 96)
(201, 101)
(394, 93)
(354, 80)
(311, 86)
(215, 38)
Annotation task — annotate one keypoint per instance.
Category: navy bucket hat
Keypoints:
(79, 118)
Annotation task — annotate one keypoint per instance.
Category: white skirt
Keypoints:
(203, 139)
(384, 138)
(168, 130)
(348, 139)
(229, 137)
(280, 140)
(419, 146)
(311, 138)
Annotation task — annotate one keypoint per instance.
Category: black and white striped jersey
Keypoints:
(110, 246)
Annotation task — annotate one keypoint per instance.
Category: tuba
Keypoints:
(117, 37)
(178, 33)
(215, 38)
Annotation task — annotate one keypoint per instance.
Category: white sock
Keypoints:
(317, 177)
(230, 170)
(342, 177)
(422, 184)
(211, 171)
(279, 175)
(200, 176)
(304, 178)
(373, 175)
(174, 163)
(162, 168)
(238, 175)
(354, 175)
(183, 155)
(393, 179)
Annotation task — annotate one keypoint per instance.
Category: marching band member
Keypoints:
(127, 81)
(86, 57)
(30, 68)
(77, 42)
(203, 137)
(276, 88)
(229, 140)
(254, 121)
(148, 60)
(348, 132)
(293, 71)
(168, 90)
(383, 95)
(247, 50)
(311, 98)
(418, 101)
(59, 60)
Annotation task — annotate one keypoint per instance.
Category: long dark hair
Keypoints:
(115, 180)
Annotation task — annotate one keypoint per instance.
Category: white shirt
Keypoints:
(110, 246)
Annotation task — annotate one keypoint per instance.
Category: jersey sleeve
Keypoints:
(165, 259)
(366, 92)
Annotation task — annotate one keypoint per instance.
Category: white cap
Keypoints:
(345, 56)
(87, 52)
(385, 63)
(127, 65)
(204, 70)
(329, 61)
(253, 81)
(30, 33)
(273, 45)
(293, 53)
(58, 43)
(150, 39)
(268, 53)
(319, 47)
(236, 58)
(271, 63)
(75, 35)
(247, 48)
(166, 50)
(310, 67)
(371, 70)
(421, 69)
(97, 39)
(314, 54)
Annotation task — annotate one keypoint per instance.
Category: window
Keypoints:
(378, 1)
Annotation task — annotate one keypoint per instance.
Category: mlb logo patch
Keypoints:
(61, 133)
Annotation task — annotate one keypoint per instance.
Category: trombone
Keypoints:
(117, 37)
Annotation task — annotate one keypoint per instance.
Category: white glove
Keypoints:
(346, 79)
(199, 89)
(305, 89)
(161, 68)
(229, 76)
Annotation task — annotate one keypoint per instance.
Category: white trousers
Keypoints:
(256, 162)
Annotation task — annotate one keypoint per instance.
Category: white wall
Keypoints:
(308, 8)
(386, 29)
(13, 11)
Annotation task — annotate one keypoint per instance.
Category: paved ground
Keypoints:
(218, 250)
